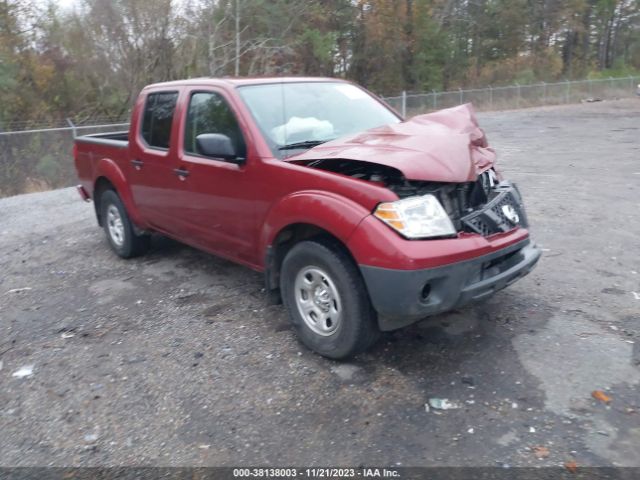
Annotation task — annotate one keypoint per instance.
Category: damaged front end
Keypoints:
(444, 154)
(485, 206)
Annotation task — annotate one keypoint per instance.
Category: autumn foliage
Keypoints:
(89, 60)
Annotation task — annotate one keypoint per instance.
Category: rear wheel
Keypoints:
(119, 229)
(327, 300)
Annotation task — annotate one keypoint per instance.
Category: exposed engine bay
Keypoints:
(486, 206)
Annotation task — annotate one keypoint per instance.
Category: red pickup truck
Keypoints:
(360, 220)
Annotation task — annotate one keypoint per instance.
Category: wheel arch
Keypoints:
(284, 241)
(109, 176)
(300, 216)
(101, 185)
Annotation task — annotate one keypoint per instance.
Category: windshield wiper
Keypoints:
(304, 144)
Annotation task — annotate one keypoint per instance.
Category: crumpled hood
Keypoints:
(444, 146)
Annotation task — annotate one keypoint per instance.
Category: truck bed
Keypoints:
(90, 150)
(112, 139)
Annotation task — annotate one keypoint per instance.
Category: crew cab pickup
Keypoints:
(361, 221)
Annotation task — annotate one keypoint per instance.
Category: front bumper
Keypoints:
(402, 297)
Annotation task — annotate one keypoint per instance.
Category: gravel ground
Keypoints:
(176, 358)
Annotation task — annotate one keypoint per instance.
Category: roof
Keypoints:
(240, 81)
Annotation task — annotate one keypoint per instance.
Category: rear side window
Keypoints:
(209, 113)
(158, 117)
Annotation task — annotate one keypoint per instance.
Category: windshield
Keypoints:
(298, 116)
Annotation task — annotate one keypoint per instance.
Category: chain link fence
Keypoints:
(517, 96)
(41, 158)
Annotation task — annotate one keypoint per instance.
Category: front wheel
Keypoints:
(119, 229)
(327, 300)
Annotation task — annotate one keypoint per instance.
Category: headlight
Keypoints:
(416, 217)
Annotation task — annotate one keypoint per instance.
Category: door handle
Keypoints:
(137, 164)
(182, 173)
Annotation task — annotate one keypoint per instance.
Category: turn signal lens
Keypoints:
(386, 211)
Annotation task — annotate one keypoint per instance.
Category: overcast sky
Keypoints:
(63, 4)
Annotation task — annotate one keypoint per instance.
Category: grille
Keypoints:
(493, 217)
(478, 226)
(499, 211)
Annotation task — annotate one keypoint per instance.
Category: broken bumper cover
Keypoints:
(402, 297)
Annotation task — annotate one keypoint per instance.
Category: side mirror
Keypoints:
(216, 145)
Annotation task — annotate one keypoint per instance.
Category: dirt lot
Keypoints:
(176, 358)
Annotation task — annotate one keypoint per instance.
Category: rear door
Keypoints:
(151, 169)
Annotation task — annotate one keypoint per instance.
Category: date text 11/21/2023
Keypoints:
(319, 472)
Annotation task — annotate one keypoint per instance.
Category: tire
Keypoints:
(327, 301)
(119, 229)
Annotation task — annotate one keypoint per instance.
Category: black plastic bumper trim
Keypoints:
(397, 294)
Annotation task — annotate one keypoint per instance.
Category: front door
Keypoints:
(215, 197)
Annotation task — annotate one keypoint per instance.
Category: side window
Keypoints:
(158, 117)
(209, 113)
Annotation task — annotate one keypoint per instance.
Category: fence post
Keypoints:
(589, 83)
(490, 97)
(544, 93)
(631, 82)
(461, 97)
(518, 98)
(567, 91)
(404, 103)
(435, 99)
(73, 128)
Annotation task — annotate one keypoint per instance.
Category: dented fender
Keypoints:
(329, 211)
